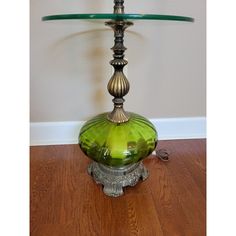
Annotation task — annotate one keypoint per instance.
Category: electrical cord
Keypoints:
(162, 154)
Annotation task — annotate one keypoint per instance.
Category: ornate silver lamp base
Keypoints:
(114, 179)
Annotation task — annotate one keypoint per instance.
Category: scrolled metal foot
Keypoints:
(144, 174)
(90, 169)
(113, 190)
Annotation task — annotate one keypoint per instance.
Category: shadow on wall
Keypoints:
(96, 54)
(82, 57)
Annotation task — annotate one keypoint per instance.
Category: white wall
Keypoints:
(70, 61)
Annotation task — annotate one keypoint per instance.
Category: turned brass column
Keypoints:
(118, 86)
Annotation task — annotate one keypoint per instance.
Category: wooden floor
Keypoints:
(65, 201)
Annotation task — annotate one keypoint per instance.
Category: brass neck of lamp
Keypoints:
(119, 7)
(118, 86)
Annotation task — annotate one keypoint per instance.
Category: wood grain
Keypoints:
(65, 201)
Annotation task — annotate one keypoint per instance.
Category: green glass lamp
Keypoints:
(118, 141)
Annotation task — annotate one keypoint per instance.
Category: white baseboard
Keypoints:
(55, 133)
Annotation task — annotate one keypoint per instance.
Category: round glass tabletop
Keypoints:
(111, 16)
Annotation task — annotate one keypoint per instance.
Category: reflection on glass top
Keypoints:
(111, 16)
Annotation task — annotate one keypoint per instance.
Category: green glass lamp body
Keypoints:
(118, 145)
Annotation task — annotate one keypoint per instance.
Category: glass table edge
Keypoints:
(107, 16)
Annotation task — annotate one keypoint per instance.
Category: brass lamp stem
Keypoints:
(118, 86)
(119, 7)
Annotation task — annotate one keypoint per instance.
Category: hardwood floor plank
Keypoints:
(195, 163)
(171, 214)
(143, 217)
(184, 187)
(42, 164)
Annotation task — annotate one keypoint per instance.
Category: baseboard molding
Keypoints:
(56, 133)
